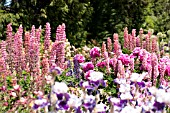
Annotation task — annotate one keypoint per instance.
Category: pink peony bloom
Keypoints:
(87, 74)
(80, 58)
(95, 52)
(167, 70)
(88, 66)
(101, 64)
(136, 51)
(125, 58)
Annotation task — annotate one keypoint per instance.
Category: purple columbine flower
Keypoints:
(95, 52)
(100, 108)
(56, 70)
(60, 88)
(159, 106)
(62, 105)
(141, 84)
(96, 78)
(89, 102)
(40, 103)
(85, 84)
(74, 101)
(62, 102)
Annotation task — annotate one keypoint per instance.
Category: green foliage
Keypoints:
(112, 16)
(157, 16)
(111, 87)
(6, 18)
(126, 51)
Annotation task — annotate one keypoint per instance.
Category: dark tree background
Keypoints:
(86, 19)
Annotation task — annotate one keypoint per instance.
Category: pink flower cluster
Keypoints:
(95, 52)
(80, 58)
(125, 58)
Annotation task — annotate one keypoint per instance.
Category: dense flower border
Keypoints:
(50, 77)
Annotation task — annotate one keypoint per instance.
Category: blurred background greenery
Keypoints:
(86, 20)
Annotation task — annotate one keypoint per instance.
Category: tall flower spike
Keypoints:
(33, 31)
(20, 49)
(47, 37)
(154, 44)
(10, 48)
(141, 36)
(3, 50)
(19, 57)
(126, 39)
(45, 65)
(121, 70)
(33, 52)
(132, 63)
(143, 44)
(3, 67)
(133, 38)
(144, 61)
(109, 45)
(138, 42)
(162, 71)
(52, 56)
(60, 50)
(107, 59)
(38, 34)
(27, 48)
(147, 43)
(155, 71)
(3, 59)
(116, 44)
(130, 42)
(103, 49)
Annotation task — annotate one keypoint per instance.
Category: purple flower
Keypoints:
(56, 70)
(95, 79)
(80, 58)
(95, 52)
(74, 101)
(62, 105)
(89, 102)
(85, 84)
(100, 108)
(40, 103)
(88, 66)
(62, 102)
(159, 106)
